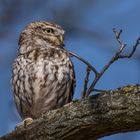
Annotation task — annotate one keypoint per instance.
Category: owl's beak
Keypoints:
(61, 38)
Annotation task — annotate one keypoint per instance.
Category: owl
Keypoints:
(43, 75)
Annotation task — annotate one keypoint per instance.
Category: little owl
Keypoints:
(43, 74)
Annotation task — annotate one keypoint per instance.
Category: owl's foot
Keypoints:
(26, 122)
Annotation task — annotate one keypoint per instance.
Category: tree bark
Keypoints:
(97, 116)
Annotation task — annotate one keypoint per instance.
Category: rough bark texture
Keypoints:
(100, 115)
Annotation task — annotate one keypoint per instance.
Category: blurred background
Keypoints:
(88, 25)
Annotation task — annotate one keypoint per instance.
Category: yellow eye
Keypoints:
(49, 30)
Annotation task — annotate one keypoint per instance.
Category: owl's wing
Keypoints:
(73, 81)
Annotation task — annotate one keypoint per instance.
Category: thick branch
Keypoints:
(94, 117)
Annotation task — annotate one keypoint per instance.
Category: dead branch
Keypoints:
(118, 55)
(84, 61)
(86, 82)
(94, 117)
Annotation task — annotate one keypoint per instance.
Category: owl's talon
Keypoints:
(25, 123)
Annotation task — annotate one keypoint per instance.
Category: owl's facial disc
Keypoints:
(44, 34)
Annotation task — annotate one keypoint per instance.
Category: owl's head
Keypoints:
(43, 33)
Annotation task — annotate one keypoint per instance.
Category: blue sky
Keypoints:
(88, 25)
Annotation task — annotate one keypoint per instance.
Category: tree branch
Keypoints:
(84, 61)
(118, 55)
(100, 115)
(86, 82)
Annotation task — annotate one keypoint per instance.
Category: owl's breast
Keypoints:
(41, 85)
(52, 77)
(52, 70)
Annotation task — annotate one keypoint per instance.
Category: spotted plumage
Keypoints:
(43, 74)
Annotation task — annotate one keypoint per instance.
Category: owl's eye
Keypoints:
(49, 30)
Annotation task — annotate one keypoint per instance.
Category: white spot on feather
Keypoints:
(60, 74)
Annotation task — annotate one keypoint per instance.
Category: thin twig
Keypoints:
(133, 50)
(86, 82)
(117, 56)
(84, 61)
(117, 34)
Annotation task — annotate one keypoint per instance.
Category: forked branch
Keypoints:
(118, 55)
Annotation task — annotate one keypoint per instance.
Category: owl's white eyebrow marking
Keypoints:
(60, 31)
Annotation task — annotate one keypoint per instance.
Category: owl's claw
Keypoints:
(26, 122)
